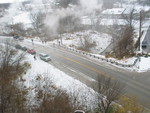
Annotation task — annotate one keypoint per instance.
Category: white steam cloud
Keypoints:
(13, 10)
(52, 19)
(85, 7)
(88, 6)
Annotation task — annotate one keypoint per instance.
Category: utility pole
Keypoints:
(140, 28)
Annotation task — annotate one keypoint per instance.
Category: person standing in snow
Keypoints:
(34, 57)
(32, 41)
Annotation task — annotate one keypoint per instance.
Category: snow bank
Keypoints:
(59, 78)
(144, 64)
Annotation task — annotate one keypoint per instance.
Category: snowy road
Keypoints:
(85, 70)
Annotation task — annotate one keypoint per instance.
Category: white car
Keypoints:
(44, 57)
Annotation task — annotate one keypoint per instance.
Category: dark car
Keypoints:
(18, 46)
(31, 51)
(24, 48)
(16, 37)
(20, 38)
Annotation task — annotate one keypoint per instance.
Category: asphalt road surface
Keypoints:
(87, 70)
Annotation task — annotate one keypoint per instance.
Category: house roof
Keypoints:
(10, 1)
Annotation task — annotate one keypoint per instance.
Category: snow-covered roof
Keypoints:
(11, 1)
(113, 11)
(137, 9)
(22, 18)
(107, 22)
(126, 10)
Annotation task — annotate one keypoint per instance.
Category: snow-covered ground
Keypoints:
(101, 40)
(144, 64)
(48, 73)
(60, 79)
(26, 18)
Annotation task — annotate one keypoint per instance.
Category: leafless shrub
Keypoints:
(130, 17)
(70, 23)
(125, 45)
(37, 19)
(60, 103)
(18, 28)
(86, 43)
(10, 67)
(109, 90)
(52, 99)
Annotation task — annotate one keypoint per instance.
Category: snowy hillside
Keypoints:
(74, 40)
(100, 40)
(57, 77)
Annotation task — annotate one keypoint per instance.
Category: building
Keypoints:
(146, 42)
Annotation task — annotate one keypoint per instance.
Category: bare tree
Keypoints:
(122, 40)
(10, 67)
(125, 45)
(64, 3)
(109, 90)
(18, 29)
(95, 19)
(68, 24)
(130, 17)
(142, 17)
(60, 103)
(52, 99)
(86, 43)
(37, 19)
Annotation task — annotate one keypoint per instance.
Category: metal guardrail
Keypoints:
(98, 57)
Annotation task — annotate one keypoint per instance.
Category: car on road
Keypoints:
(31, 51)
(18, 46)
(24, 48)
(44, 57)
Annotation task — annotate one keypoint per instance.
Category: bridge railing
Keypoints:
(100, 57)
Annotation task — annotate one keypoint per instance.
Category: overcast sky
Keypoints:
(10, 1)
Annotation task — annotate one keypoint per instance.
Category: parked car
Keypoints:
(44, 57)
(31, 51)
(18, 46)
(79, 111)
(20, 38)
(24, 48)
(16, 37)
